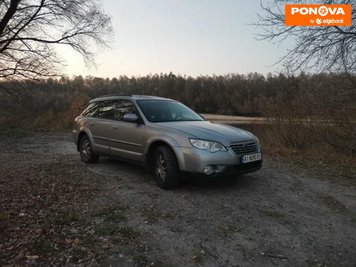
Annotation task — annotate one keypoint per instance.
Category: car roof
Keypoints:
(128, 97)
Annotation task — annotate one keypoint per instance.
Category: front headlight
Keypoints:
(207, 145)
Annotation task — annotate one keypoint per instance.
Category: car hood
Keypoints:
(208, 131)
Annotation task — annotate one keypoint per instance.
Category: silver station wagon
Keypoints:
(165, 136)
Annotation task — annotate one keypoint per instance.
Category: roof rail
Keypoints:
(111, 95)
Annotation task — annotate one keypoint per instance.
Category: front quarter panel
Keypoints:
(176, 141)
(81, 126)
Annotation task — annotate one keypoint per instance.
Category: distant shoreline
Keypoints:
(234, 119)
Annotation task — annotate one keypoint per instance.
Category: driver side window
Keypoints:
(124, 107)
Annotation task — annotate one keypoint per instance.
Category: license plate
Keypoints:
(251, 158)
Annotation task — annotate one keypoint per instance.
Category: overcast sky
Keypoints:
(187, 37)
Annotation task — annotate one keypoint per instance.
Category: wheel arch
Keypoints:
(80, 135)
(150, 152)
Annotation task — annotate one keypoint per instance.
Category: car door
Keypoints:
(126, 137)
(101, 125)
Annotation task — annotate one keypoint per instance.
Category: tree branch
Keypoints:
(9, 14)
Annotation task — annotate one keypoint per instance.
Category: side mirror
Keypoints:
(130, 117)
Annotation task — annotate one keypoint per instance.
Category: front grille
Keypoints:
(244, 147)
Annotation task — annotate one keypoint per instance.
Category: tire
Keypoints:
(165, 167)
(87, 154)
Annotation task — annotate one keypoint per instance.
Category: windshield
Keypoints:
(166, 110)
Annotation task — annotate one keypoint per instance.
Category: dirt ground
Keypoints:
(55, 210)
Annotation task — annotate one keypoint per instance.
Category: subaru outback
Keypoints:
(165, 136)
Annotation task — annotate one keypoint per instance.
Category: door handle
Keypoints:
(114, 127)
(92, 124)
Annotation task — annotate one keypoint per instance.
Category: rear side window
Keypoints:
(111, 110)
(105, 110)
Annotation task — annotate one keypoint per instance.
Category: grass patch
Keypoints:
(197, 258)
(3, 223)
(123, 235)
(276, 215)
(141, 260)
(230, 229)
(79, 253)
(297, 186)
(151, 215)
(315, 263)
(336, 206)
(112, 214)
(129, 235)
(307, 146)
(14, 133)
(332, 203)
(338, 171)
(108, 230)
(67, 219)
(43, 246)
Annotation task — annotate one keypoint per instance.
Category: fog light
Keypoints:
(209, 170)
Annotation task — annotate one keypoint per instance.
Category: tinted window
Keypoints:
(123, 107)
(105, 110)
(164, 111)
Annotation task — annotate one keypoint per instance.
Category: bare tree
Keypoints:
(317, 48)
(31, 29)
(321, 49)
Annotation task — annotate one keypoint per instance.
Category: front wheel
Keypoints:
(86, 150)
(166, 168)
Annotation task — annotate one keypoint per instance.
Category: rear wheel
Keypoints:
(166, 168)
(86, 150)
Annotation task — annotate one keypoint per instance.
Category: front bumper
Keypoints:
(195, 161)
